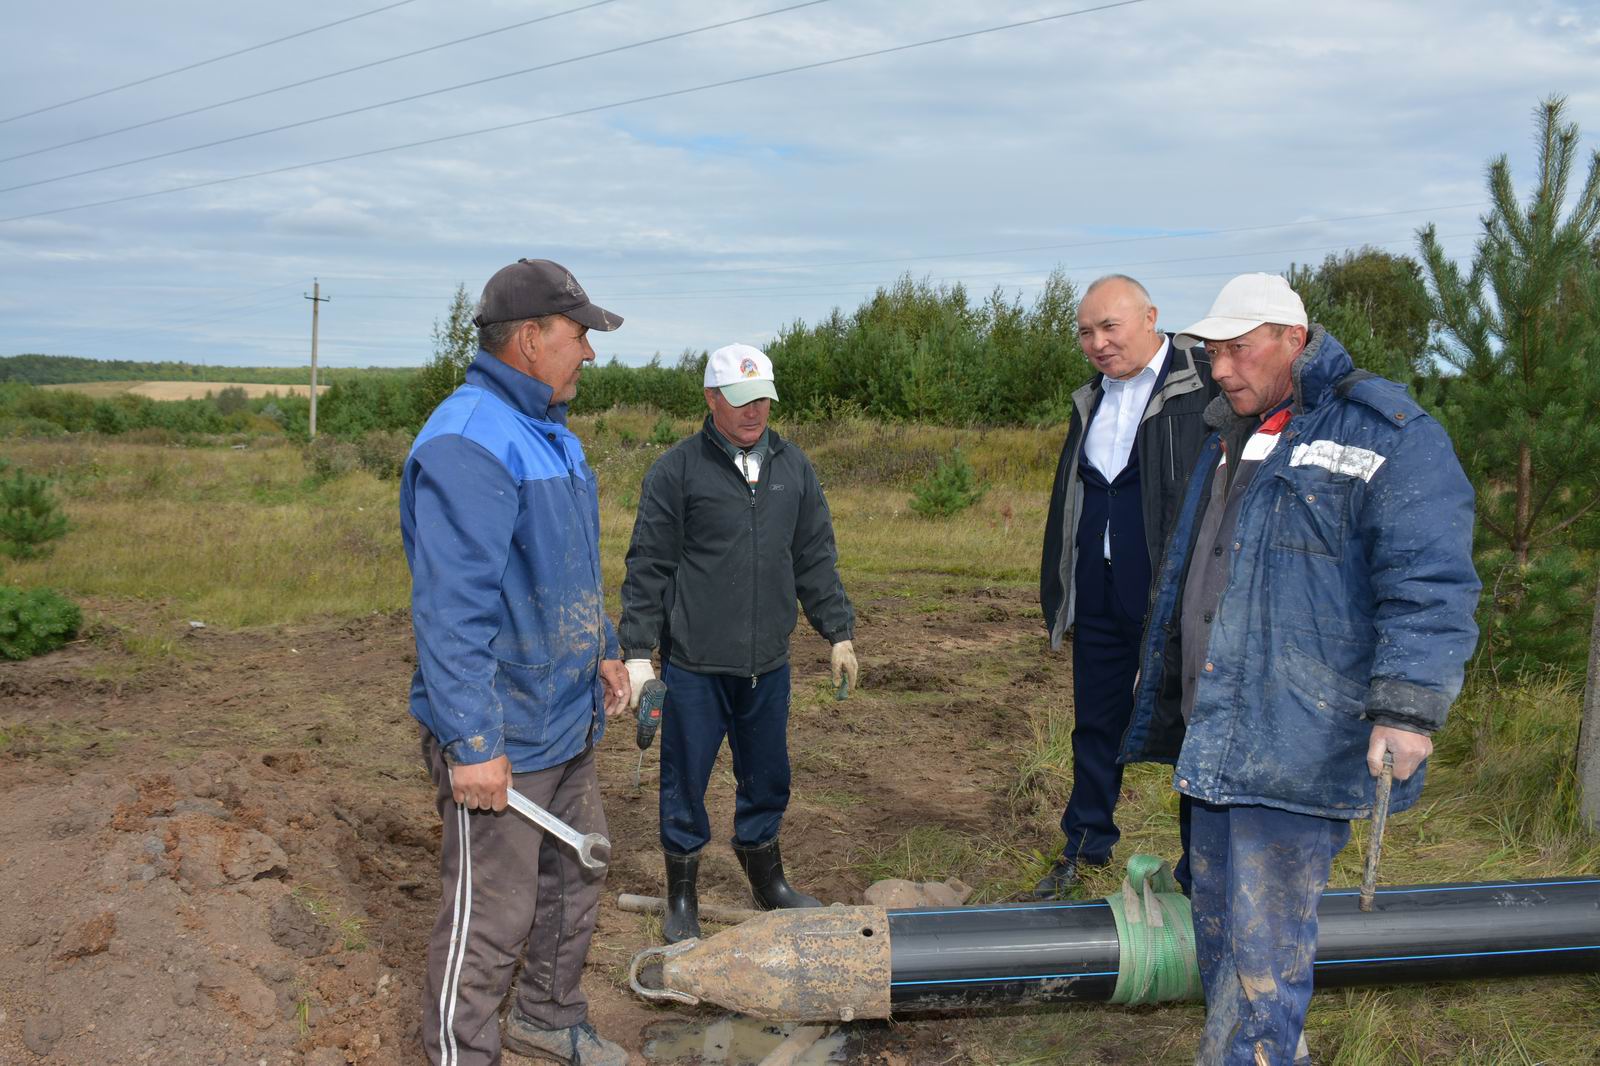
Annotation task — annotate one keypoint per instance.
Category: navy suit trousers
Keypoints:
(1105, 658)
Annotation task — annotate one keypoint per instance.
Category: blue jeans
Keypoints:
(1258, 876)
(700, 710)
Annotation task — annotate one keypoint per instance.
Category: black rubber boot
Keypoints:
(764, 867)
(682, 918)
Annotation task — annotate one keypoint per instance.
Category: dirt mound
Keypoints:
(182, 940)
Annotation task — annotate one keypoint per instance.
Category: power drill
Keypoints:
(651, 698)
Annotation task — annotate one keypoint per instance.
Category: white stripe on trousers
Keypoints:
(460, 920)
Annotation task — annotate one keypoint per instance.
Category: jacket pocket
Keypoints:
(1320, 686)
(1311, 515)
(525, 699)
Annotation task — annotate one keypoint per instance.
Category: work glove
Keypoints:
(639, 671)
(844, 663)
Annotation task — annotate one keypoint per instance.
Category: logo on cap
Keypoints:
(747, 367)
(574, 288)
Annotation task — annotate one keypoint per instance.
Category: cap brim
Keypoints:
(1220, 328)
(743, 392)
(595, 317)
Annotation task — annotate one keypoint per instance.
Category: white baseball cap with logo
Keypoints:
(742, 373)
(1248, 301)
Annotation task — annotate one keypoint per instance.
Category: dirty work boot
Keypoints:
(576, 1045)
(763, 865)
(682, 918)
(1062, 878)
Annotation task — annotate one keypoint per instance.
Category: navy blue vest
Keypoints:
(1119, 503)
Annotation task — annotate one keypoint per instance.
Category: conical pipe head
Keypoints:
(816, 964)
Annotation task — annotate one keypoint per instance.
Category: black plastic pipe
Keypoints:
(1033, 953)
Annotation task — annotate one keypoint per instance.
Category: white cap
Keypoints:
(742, 373)
(1248, 301)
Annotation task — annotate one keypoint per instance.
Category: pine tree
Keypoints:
(1522, 328)
(29, 516)
(455, 345)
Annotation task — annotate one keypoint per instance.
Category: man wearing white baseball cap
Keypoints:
(732, 530)
(1316, 602)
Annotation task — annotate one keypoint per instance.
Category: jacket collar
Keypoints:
(708, 430)
(1177, 377)
(525, 394)
(1321, 365)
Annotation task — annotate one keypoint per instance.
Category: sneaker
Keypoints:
(576, 1045)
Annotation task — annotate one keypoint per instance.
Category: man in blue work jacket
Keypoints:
(1313, 612)
(517, 668)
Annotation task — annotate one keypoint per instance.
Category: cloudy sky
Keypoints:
(161, 198)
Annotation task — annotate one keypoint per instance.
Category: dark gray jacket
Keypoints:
(1168, 440)
(714, 571)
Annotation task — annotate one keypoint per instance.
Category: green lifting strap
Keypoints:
(1155, 931)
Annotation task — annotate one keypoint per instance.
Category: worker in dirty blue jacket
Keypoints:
(517, 668)
(732, 532)
(1313, 611)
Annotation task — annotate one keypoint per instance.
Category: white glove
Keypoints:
(639, 671)
(844, 662)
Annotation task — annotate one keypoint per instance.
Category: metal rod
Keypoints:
(1380, 818)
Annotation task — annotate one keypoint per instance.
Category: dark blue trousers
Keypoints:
(700, 709)
(1105, 659)
(1258, 876)
(1105, 662)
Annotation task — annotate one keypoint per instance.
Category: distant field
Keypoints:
(181, 390)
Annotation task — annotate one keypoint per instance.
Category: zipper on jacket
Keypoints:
(755, 566)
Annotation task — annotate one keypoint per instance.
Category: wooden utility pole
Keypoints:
(316, 298)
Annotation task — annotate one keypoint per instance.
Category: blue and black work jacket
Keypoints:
(501, 524)
(1349, 603)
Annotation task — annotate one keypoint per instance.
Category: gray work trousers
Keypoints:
(507, 891)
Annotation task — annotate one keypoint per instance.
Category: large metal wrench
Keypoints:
(584, 844)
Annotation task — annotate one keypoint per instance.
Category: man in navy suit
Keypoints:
(1134, 435)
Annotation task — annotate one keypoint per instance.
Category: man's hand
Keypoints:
(614, 676)
(639, 671)
(844, 663)
(1409, 750)
(481, 785)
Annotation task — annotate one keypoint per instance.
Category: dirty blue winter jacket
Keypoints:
(1349, 603)
(501, 525)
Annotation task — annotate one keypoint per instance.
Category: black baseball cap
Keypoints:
(532, 288)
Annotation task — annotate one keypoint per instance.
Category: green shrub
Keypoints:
(29, 515)
(231, 400)
(29, 426)
(664, 432)
(383, 452)
(35, 621)
(330, 458)
(110, 419)
(951, 488)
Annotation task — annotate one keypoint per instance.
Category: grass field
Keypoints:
(248, 539)
(181, 390)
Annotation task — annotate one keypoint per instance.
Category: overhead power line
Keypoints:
(308, 81)
(207, 62)
(665, 95)
(745, 269)
(803, 288)
(418, 96)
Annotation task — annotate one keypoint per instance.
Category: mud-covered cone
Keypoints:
(807, 965)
